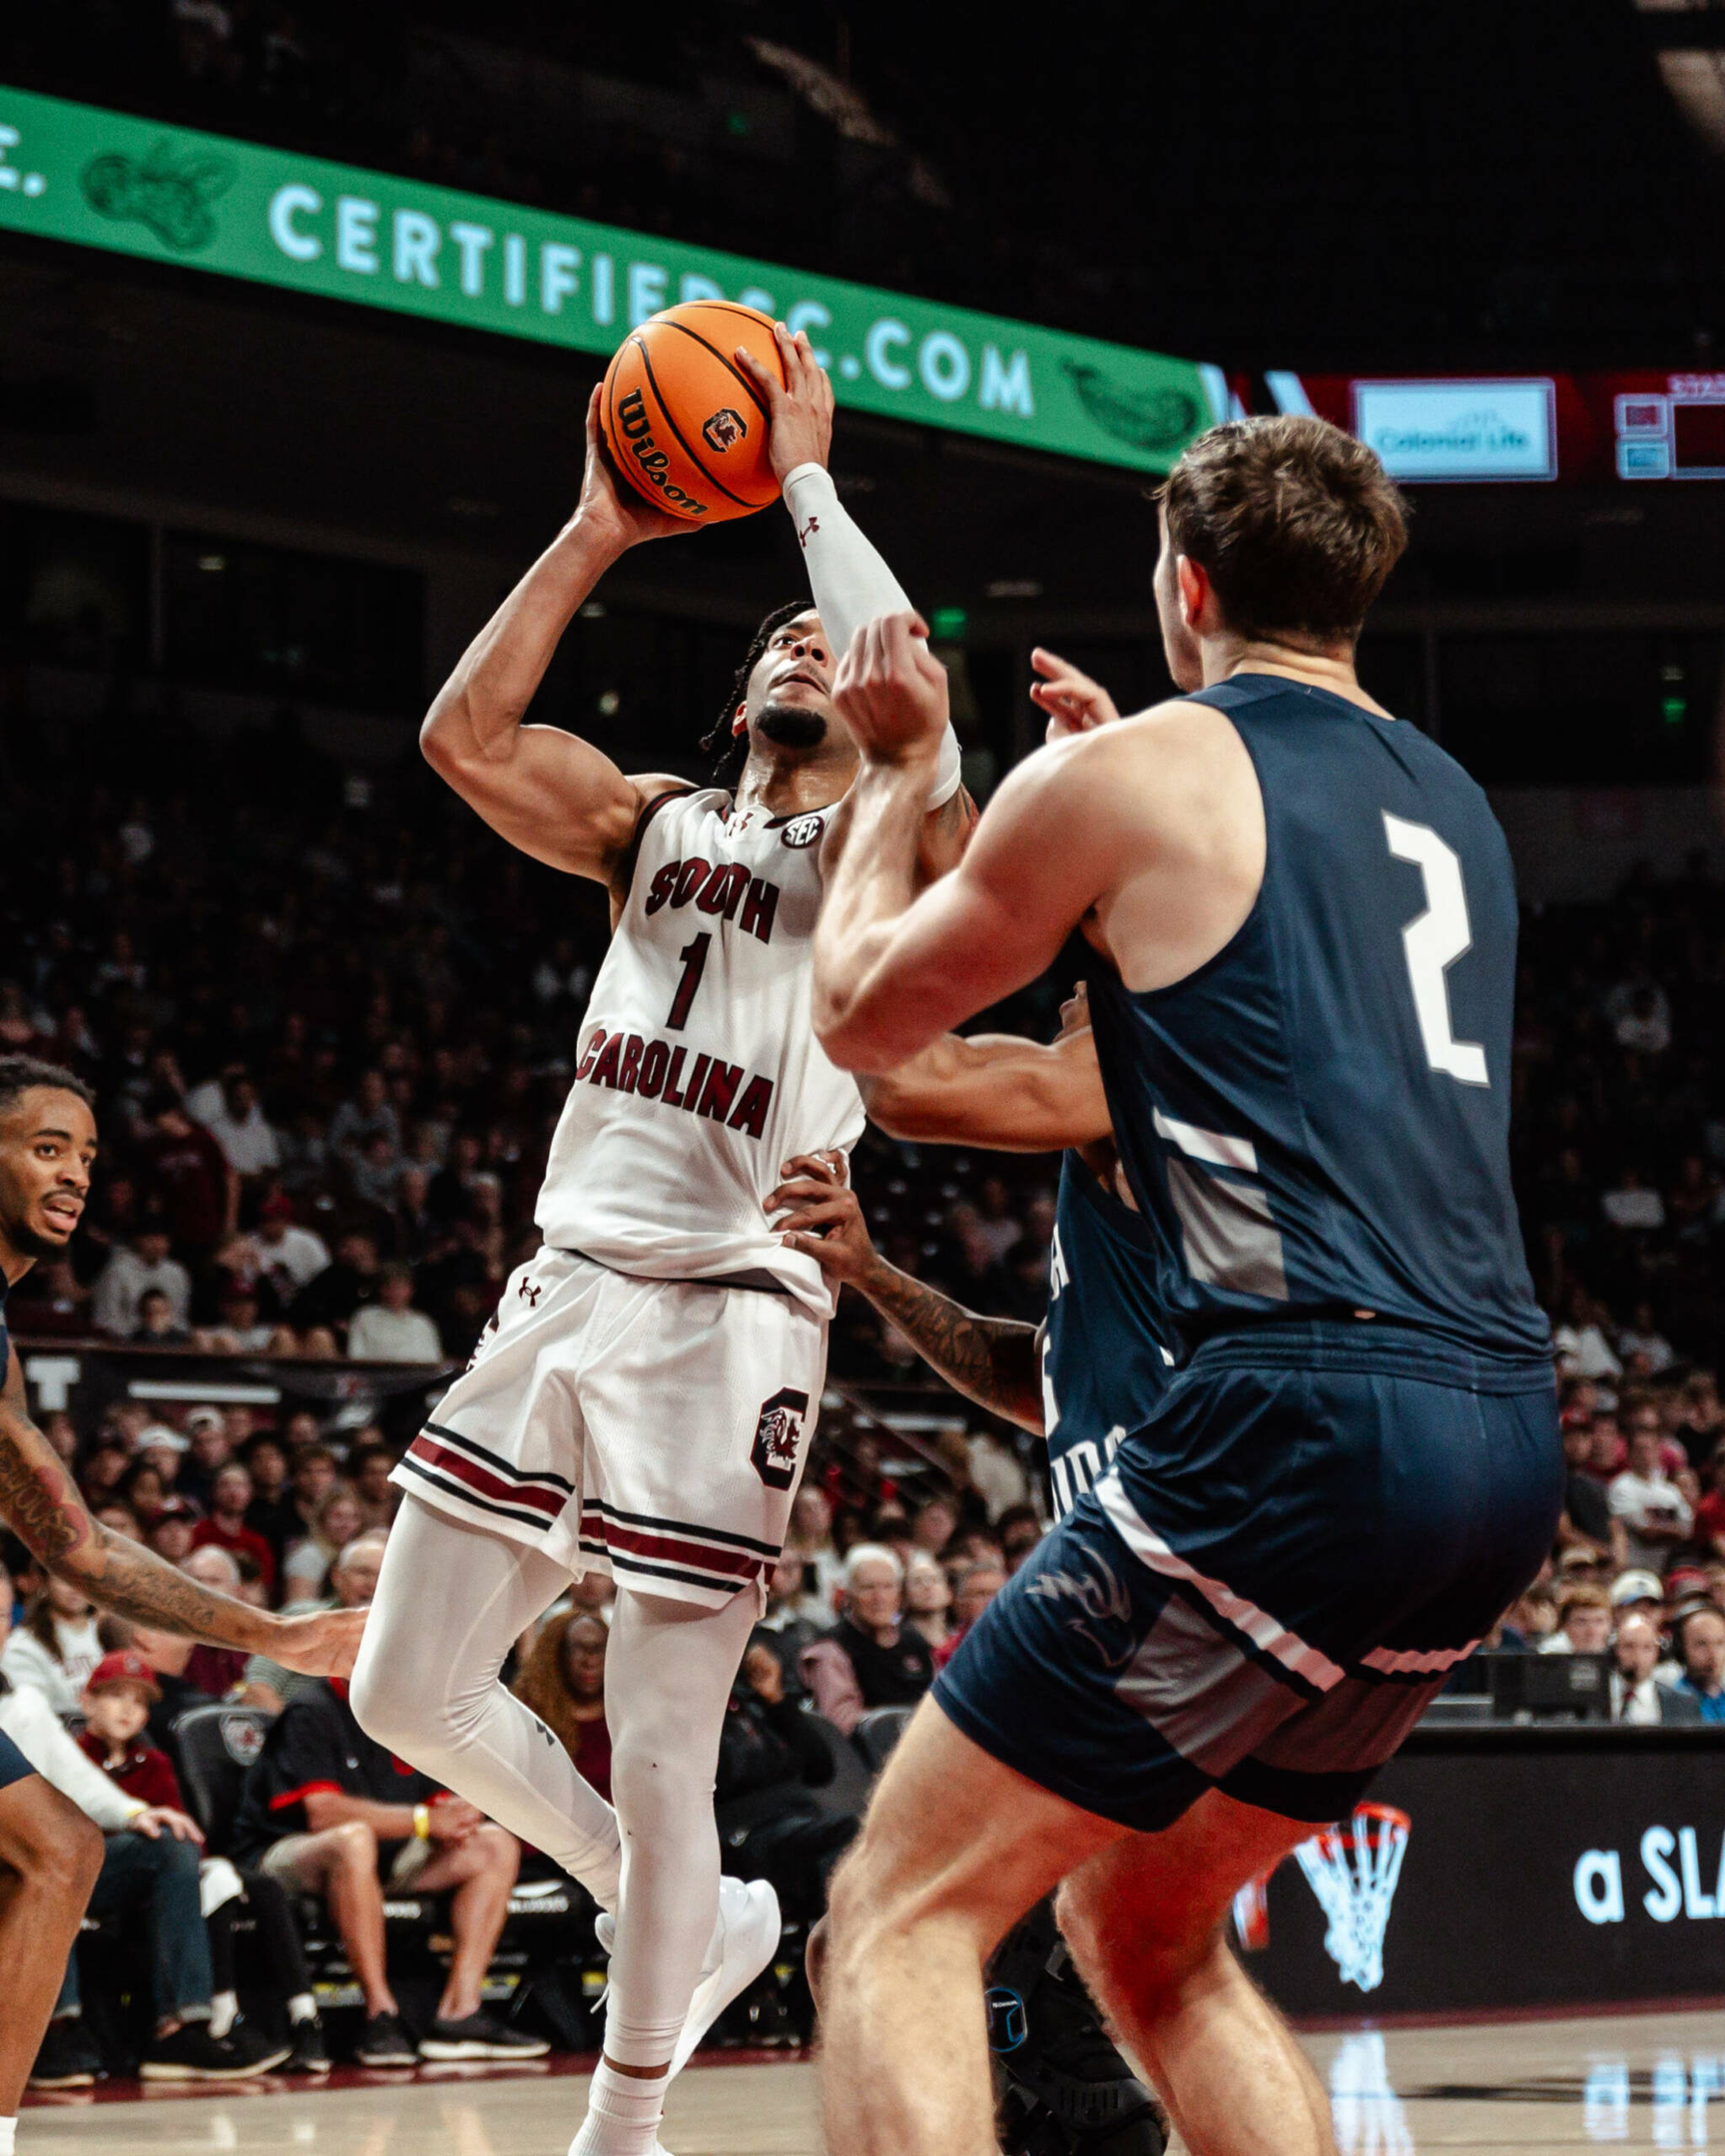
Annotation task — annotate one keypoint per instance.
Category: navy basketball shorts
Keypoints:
(1278, 1573)
(13, 1764)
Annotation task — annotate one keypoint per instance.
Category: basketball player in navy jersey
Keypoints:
(1304, 918)
(49, 1853)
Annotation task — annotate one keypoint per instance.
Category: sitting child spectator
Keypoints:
(563, 1681)
(149, 1864)
(328, 1810)
(116, 1705)
(869, 1658)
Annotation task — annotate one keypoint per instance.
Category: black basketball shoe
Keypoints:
(1064, 2089)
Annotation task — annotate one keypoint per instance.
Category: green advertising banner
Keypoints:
(133, 186)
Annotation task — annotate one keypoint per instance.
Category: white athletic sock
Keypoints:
(301, 2007)
(623, 2116)
(223, 2007)
(8, 2136)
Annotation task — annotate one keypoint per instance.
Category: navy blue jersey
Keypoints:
(1317, 1120)
(1104, 1366)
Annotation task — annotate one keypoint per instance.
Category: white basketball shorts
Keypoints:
(654, 1429)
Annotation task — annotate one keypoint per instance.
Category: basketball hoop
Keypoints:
(1353, 1868)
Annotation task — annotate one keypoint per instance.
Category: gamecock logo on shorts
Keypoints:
(802, 831)
(725, 429)
(778, 1433)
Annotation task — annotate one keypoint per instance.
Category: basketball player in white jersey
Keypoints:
(644, 1400)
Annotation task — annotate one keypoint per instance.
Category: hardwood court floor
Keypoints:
(1648, 2084)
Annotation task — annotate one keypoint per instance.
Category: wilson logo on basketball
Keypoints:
(725, 429)
(651, 460)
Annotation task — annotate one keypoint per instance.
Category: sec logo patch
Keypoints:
(803, 830)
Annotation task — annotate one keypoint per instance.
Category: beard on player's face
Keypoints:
(791, 726)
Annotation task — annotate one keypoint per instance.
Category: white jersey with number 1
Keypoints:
(698, 1073)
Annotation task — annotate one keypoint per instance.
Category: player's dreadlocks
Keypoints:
(728, 749)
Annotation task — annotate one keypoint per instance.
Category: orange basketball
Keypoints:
(681, 419)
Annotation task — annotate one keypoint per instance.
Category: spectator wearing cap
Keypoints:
(208, 1448)
(1653, 1509)
(871, 1658)
(391, 1330)
(1638, 1699)
(149, 1864)
(136, 1267)
(161, 1445)
(1701, 1643)
(117, 1702)
(1638, 1590)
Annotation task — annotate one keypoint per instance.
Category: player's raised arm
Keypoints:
(555, 796)
(849, 577)
(992, 1361)
(40, 1503)
(995, 1090)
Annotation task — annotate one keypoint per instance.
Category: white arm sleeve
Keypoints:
(850, 584)
(37, 1731)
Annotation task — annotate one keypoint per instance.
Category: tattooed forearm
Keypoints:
(40, 1503)
(991, 1361)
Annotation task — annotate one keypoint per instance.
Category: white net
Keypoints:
(1353, 1868)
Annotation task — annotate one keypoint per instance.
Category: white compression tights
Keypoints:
(452, 1602)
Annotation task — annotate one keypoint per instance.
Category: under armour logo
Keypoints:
(530, 1291)
(802, 531)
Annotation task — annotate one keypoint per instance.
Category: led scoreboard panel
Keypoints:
(1644, 424)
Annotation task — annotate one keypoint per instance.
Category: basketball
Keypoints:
(681, 419)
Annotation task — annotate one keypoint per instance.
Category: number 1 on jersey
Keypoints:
(1433, 941)
(694, 958)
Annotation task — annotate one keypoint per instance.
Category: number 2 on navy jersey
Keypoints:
(1433, 941)
(694, 958)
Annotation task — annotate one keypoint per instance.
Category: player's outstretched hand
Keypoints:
(322, 1643)
(1073, 702)
(822, 1217)
(610, 502)
(890, 690)
(799, 408)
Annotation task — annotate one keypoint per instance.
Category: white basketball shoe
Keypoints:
(744, 1941)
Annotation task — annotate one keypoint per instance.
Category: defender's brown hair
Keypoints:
(1296, 523)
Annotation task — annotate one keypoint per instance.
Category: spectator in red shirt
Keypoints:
(1710, 1512)
(231, 1494)
(187, 1169)
(117, 1703)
